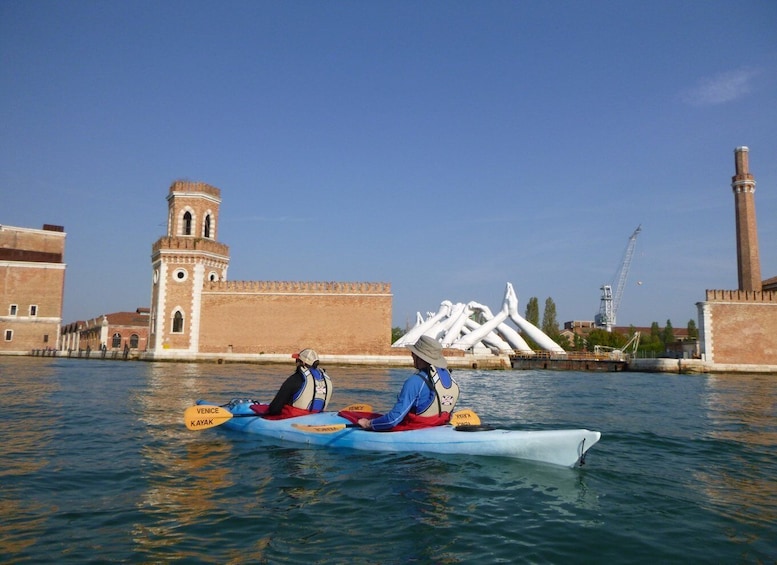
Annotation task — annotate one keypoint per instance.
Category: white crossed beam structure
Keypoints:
(454, 327)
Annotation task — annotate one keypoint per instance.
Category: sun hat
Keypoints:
(430, 350)
(307, 356)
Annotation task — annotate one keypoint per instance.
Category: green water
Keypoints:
(98, 467)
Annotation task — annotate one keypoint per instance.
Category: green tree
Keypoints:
(563, 342)
(605, 338)
(580, 343)
(549, 321)
(533, 311)
(653, 343)
(532, 316)
(668, 334)
(693, 332)
(396, 333)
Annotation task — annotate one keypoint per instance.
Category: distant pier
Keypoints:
(571, 361)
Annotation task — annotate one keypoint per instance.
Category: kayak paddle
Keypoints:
(204, 416)
(459, 418)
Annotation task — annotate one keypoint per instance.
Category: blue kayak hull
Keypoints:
(557, 447)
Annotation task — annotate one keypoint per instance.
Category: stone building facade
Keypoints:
(196, 312)
(117, 331)
(32, 286)
(739, 327)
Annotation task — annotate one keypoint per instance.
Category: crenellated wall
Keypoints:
(741, 296)
(195, 187)
(189, 244)
(304, 287)
(739, 327)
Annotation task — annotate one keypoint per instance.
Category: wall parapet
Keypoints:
(298, 287)
(190, 243)
(198, 187)
(741, 296)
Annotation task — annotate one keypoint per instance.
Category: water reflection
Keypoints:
(182, 473)
(29, 411)
(742, 410)
(182, 491)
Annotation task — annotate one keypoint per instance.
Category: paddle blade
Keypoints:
(203, 417)
(322, 429)
(357, 408)
(465, 418)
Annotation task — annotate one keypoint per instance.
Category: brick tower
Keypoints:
(743, 185)
(182, 261)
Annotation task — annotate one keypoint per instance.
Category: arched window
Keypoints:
(207, 226)
(187, 223)
(177, 322)
(116, 342)
(134, 341)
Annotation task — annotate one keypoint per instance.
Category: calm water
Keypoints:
(97, 466)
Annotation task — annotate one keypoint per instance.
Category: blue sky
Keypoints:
(445, 147)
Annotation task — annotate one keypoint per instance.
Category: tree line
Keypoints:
(654, 342)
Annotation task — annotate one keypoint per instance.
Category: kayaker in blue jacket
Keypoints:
(307, 391)
(427, 398)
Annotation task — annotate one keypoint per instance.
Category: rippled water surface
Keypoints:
(97, 466)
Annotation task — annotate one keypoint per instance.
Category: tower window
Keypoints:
(180, 275)
(207, 226)
(177, 322)
(13, 309)
(187, 223)
(33, 310)
(8, 335)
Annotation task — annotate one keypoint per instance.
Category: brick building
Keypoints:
(739, 327)
(118, 331)
(197, 312)
(32, 285)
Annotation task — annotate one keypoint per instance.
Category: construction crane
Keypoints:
(610, 302)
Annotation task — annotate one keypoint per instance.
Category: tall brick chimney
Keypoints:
(743, 185)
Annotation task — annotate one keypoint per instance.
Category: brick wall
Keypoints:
(283, 317)
(739, 327)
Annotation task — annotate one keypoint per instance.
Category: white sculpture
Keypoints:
(454, 327)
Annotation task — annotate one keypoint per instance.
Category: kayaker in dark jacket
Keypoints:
(427, 398)
(306, 391)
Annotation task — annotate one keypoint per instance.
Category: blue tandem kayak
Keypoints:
(557, 447)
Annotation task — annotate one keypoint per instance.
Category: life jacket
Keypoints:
(438, 413)
(445, 398)
(316, 391)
